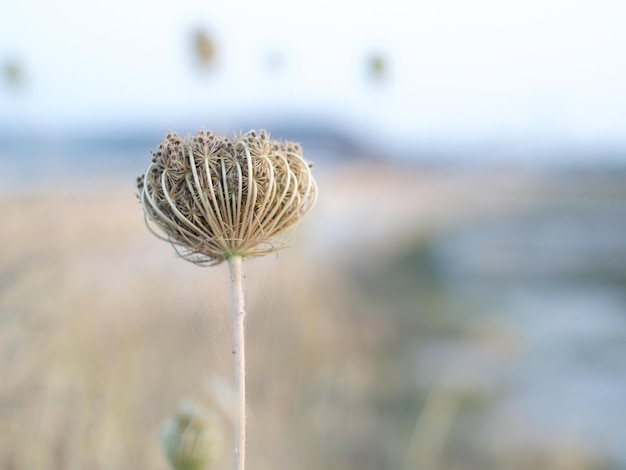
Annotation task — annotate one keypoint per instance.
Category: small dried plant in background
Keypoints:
(217, 199)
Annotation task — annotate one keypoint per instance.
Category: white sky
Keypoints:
(544, 70)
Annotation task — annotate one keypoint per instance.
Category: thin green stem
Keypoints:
(239, 356)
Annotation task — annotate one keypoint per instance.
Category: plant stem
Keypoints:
(239, 355)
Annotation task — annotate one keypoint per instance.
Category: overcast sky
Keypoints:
(542, 70)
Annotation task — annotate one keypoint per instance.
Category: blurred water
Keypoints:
(65, 159)
(555, 275)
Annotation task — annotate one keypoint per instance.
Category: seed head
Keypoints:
(213, 197)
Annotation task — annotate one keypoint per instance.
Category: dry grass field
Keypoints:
(358, 357)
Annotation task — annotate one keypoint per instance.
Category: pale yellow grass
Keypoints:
(104, 330)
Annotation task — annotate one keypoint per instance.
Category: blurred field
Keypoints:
(422, 319)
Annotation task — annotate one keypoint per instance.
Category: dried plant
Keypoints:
(217, 199)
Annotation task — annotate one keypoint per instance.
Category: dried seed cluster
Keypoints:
(213, 197)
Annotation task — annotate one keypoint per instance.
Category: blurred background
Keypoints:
(456, 300)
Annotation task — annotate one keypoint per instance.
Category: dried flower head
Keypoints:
(215, 197)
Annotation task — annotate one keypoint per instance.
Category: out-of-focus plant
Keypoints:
(13, 74)
(191, 438)
(204, 48)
